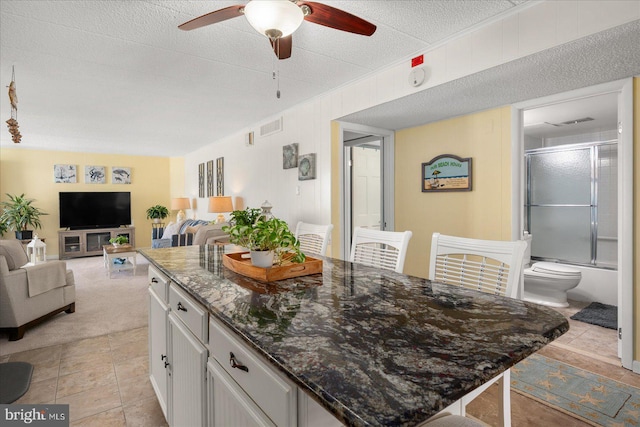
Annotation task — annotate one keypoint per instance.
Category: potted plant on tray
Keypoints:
(157, 213)
(18, 213)
(266, 239)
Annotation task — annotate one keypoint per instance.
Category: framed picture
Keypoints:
(120, 175)
(307, 167)
(210, 178)
(290, 156)
(220, 176)
(201, 180)
(446, 172)
(95, 175)
(65, 174)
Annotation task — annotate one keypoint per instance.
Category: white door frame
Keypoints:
(625, 194)
(387, 217)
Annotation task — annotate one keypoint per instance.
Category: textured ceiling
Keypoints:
(610, 55)
(118, 76)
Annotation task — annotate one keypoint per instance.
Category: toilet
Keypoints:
(547, 283)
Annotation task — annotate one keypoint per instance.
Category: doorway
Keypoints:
(528, 121)
(366, 181)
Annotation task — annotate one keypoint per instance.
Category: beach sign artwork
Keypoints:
(447, 173)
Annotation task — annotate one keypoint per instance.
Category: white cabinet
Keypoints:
(203, 374)
(187, 377)
(158, 328)
(229, 405)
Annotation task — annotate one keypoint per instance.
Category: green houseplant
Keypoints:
(266, 238)
(157, 213)
(19, 213)
(119, 240)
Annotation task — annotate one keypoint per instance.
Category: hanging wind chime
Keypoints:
(12, 123)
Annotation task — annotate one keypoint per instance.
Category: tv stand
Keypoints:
(89, 242)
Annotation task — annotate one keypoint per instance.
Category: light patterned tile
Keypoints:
(38, 356)
(132, 367)
(130, 351)
(134, 389)
(83, 362)
(92, 402)
(87, 346)
(111, 418)
(118, 339)
(97, 376)
(145, 413)
(40, 392)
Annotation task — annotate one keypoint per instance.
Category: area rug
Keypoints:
(596, 400)
(599, 314)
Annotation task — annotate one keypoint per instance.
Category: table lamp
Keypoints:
(219, 205)
(180, 203)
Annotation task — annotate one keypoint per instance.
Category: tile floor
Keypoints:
(105, 379)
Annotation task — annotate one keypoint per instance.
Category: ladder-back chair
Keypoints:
(313, 238)
(382, 249)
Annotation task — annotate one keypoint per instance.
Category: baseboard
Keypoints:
(636, 366)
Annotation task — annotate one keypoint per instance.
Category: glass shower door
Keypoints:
(560, 205)
(572, 203)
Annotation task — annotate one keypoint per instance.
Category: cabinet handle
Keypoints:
(154, 280)
(181, 307)
(166, 364)
(234, 364)
(163, 356)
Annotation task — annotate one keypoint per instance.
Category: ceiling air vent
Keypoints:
(271, 127)
(576, 121)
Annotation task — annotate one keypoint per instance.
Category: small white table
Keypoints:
(126, 252)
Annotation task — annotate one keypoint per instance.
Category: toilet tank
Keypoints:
(527, 252)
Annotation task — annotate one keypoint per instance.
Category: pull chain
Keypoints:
(276, 70)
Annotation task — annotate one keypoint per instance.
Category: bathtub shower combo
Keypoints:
(571, 216)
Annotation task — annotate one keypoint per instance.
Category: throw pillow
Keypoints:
(171, 229)
(192, 230)
(14, 253)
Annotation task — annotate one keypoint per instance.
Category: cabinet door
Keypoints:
(158, 312)
(228, 404)
(187, 382)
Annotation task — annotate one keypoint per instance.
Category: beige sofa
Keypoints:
(31, 294)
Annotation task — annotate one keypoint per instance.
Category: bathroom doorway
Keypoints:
(567, 148)
(366, 180)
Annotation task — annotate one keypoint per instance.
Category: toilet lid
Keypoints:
(553, 268)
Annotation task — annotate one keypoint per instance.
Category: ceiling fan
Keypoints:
(278, 19)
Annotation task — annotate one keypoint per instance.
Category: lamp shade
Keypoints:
(274, 18)
(219, 204)
(180, 203)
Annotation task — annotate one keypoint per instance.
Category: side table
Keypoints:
(114, 253)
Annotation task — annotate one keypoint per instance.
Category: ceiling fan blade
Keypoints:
(282, 47)
(213, 17)
(335, 18)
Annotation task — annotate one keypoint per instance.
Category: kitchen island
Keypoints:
(373, 347)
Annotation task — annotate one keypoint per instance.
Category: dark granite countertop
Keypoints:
(373, 347)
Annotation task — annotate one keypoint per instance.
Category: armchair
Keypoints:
(31, 294)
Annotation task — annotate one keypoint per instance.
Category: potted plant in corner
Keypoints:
(157, 213)
(266, 239)
(18, 213)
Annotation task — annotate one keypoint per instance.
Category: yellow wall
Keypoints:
(31, 172)
(484, 212)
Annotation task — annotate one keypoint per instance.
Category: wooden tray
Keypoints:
(236, 263)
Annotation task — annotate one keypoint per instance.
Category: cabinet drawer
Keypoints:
(159, 283)
(274, 394)
(189, 311)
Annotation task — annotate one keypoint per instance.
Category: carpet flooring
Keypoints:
(597, 400)
(103, 306)
(599, 314)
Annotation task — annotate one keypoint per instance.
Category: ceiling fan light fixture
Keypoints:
(274, 18)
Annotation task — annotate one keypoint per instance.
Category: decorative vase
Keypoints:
(262, 258)
(157, 220)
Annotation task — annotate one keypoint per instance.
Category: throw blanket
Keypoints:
(44, 277)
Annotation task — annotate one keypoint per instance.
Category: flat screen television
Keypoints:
(94, 209)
